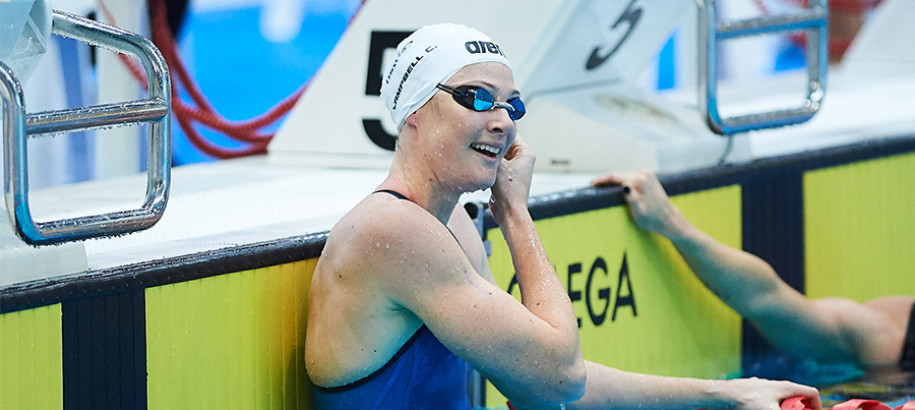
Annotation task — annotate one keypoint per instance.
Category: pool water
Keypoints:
(838, 382)
(892, 395)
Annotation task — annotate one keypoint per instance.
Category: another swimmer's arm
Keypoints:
(742, 280)
(609, 388)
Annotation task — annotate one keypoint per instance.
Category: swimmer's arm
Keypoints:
(468, 236)
(541, 290)
(749, 285)
(829, 329)
(542, 293)
(609, 388)
(544, 298)
(742, 280)
(786, 318)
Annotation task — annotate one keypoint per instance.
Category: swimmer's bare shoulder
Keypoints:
(873, 330)
(383, 238)
(352, 271)
(410, 251)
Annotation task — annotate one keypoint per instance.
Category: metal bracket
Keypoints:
(18, 126)
(813, 20)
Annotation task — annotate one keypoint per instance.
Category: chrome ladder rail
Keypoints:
(813, 20)
(18, 126)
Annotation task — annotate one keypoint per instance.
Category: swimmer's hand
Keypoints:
(513, 181)
(761, 394)
(649, 204)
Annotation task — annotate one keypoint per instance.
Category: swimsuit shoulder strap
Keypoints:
(402, 196)
(398, 195)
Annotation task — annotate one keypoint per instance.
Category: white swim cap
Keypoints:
(429, 56)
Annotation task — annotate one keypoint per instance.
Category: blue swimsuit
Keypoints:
(423, 374)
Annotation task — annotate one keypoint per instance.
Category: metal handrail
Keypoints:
(18, 126)
(813, 20)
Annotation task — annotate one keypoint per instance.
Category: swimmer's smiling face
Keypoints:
(466, 146)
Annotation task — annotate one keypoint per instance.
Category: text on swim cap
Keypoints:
(400, 51)
(483, 47)
(406, 75)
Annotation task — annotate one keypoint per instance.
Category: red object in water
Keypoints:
(861, 404)
(795, 403)
(801, 403)
(909, 405)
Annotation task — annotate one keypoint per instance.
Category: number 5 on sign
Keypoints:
(553, 45)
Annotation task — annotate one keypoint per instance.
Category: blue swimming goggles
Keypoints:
(478, 99)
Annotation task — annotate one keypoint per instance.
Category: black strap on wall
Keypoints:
(773, 229)
(104, 352)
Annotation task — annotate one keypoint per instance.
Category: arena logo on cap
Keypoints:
(483, 47)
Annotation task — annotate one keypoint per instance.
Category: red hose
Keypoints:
(248, 132)
(245, 131)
